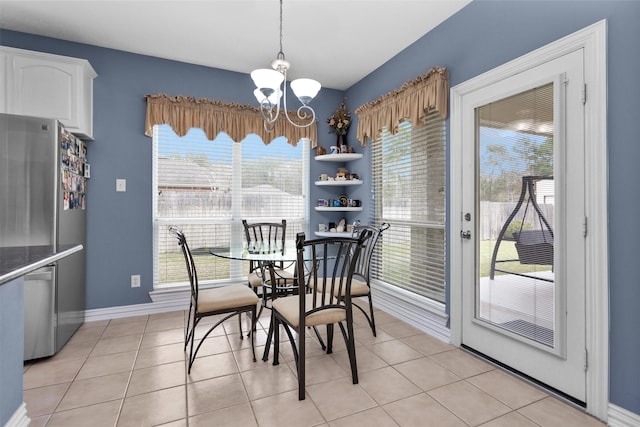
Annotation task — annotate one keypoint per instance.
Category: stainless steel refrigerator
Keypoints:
(43, 183)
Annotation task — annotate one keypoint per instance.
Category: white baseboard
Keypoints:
(136, 310)
(163, 300)
(425, 315)
(19, 417)
(620, 417)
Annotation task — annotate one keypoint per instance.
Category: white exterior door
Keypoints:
(523, 226)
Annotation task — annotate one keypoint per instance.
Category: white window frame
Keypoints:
(236, 268)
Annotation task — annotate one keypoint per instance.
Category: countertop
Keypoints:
(17, 261)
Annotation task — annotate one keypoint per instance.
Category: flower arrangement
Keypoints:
(340, 121)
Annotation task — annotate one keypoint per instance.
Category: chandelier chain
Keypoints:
(271, 86)
(281, 51)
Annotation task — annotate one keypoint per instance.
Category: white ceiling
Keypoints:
(337, 42)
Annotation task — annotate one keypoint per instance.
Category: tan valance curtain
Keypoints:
(183, 113)
(410, 102)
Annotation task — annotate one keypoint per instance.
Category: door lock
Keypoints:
(465, 234)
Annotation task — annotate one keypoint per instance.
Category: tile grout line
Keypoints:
(185, 359)
(135, 359)
(76, 375)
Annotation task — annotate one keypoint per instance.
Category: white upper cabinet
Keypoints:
(52, 86)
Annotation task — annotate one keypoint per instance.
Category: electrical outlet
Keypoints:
(121, 185)
(135, 281)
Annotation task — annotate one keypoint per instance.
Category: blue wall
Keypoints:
(483, 35)
(486, 34)
(11, 347)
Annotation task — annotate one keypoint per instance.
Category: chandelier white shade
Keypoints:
(271, 85)
(267, 81)
(305, 89)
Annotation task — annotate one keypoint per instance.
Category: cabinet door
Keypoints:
(45, 89)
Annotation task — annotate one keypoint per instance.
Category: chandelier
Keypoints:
(269, 91)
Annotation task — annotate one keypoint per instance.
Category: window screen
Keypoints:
(409, 189)
(207, 188)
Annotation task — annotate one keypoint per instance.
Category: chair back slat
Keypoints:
(265, 236)
(363, 265)
(188, 257)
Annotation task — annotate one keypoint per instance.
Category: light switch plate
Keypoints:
(135, 281)
(121, 184)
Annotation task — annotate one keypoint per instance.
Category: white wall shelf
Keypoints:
(345, 157)
(340, 183)
(332, 234)
(340, 209)
(338, 158)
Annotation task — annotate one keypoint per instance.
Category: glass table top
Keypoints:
(258, 252)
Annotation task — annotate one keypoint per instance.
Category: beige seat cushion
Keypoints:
(359, 288)
(225, 297)
(289, 307)
(255, 278)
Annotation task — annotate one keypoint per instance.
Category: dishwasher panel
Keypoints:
(39, 313)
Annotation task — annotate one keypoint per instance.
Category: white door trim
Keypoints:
(593, 40)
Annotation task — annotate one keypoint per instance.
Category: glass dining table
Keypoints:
(264, 256)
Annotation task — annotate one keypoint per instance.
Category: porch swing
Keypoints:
(533, 246)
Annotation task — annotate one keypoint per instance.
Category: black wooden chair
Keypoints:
(230, 300)
(325, 269)
(361, 283)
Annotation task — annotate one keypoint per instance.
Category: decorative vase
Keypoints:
(342, 143)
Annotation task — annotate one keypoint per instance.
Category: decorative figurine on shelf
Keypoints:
(339, 123)
(342, 174)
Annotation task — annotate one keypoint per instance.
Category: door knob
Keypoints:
(465, 234)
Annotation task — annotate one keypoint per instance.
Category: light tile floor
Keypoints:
(131, 372)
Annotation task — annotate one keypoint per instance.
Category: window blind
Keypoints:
(207, 188)
(409, 178)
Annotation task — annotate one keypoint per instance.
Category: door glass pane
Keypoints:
(515, 287)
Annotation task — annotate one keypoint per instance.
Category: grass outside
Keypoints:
(173, 268)
(507, 251)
